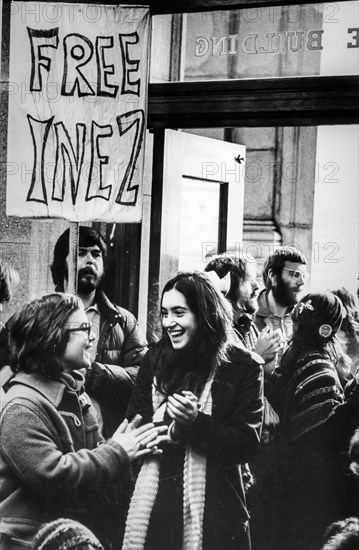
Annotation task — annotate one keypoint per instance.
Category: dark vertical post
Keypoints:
(155, 238)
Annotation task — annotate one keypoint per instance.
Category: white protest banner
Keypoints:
(77, 111)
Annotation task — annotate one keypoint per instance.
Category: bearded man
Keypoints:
(284, 276)
(119, 346)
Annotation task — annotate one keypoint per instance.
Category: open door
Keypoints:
(202, 206)
(198, 209)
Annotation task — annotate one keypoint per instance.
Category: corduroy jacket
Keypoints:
(53, 461)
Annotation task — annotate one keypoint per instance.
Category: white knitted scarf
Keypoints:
(146, 488)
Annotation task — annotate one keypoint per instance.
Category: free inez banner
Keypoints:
(77, 111)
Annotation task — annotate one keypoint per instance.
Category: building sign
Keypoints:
(272, 41)
(77, 111)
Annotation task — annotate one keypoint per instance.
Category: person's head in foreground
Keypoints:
(51, 335)
(65, 534)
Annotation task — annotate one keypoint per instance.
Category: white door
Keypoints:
(202, 208)
(200, 213)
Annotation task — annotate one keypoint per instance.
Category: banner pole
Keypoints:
(72, 258)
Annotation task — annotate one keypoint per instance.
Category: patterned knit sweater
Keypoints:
(313, 391)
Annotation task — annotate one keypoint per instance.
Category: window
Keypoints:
(273, 41)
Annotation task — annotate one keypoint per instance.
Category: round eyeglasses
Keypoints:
(85, 328)
(295, 274)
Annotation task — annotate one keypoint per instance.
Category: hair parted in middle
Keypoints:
(210, 342)
(87, 237)
(276, 261)
(38, 335)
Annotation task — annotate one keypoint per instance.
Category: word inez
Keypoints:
(89, 68)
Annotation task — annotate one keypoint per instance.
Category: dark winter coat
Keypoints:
(120, 349)
(53, 462)
(228, 437)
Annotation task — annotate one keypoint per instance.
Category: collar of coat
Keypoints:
(107, 308)
(52, 390)
(263, 306)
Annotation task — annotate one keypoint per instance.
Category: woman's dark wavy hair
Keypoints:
(9, 278)
(87, 237)
(38, 336)
(190, 368)
(350, 323)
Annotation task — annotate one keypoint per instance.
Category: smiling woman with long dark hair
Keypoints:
(209, 393)
(53, 461)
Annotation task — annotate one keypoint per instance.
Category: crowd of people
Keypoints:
(238, 429)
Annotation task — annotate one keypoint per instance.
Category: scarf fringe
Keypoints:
(147, 484)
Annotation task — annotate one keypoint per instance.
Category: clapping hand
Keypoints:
(269, 343)
(139, 441)
(183, 408)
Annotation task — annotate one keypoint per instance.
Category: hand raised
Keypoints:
(138, 440)
(269, 343)
(183, 409)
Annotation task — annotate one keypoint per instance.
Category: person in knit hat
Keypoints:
(319, 415)
(342, 535)
(66, 534)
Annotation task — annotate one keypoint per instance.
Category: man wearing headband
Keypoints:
(239, 270)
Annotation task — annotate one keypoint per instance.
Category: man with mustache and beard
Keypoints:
(284, 275)
(119, 346)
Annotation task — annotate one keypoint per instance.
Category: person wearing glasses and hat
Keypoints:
(53, 461)
(320, 413)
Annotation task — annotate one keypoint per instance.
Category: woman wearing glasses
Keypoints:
(53, 461)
